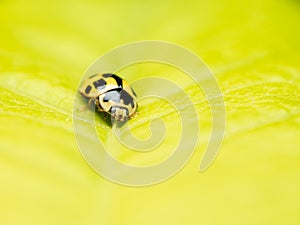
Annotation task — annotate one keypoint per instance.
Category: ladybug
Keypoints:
(111, 94)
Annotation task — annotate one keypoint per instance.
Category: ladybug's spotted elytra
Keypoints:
(111, 94)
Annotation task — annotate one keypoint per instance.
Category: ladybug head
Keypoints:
(119, 113)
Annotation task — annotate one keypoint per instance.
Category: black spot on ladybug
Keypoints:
(99, 83)
(127, 98)
(88, 89)
(106, 75)
(118, 80)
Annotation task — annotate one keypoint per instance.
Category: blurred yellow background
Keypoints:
(251, 46)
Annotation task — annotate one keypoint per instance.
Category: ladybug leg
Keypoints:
(83, 108)
(134, 115)
(105, 116)
(90, 102)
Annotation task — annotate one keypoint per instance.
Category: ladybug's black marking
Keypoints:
(127, 98)
(106, 75)
(118, 80)
(99, 83)
(88, 89)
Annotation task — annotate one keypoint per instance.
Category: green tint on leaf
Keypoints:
(251, 46)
